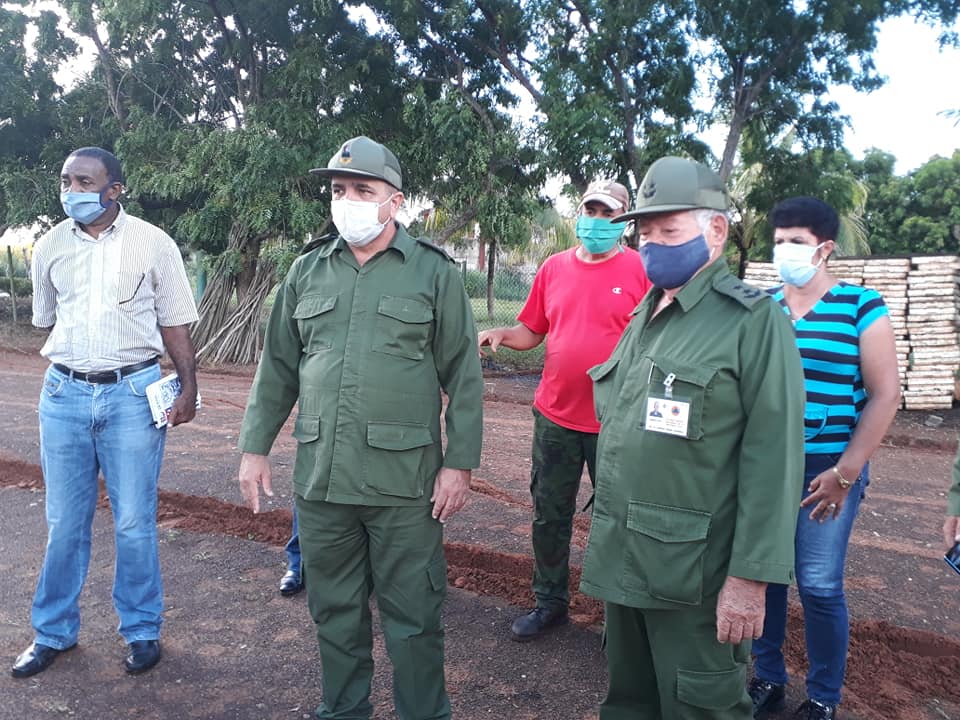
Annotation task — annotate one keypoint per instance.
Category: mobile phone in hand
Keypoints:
(952, 558)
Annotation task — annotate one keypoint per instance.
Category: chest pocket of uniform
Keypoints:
(315, 320)
(691, 384)
(602, 376)
(666, 548)
(403, 327)
(814, 419)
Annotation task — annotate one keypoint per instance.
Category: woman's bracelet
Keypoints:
(841, 480)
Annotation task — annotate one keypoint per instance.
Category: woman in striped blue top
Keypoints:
(849, 357)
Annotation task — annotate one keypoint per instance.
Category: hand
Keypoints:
(183, 410)
(491, 339)
(826, 496)
(254, 472)
(450, 492)
(740, 610)
(951, 530)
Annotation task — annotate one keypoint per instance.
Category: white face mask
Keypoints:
(793, 262)
(358, 220)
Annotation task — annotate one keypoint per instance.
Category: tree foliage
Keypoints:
(219, 108)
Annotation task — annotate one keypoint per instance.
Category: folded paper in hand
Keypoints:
(161, 395)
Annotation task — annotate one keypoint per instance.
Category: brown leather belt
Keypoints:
(106, 377)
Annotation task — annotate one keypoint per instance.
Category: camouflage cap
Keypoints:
(673, 184)
(610, 193)
(363, 157)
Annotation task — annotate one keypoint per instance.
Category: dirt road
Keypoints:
(256, 657)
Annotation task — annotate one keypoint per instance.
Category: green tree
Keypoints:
(221, 109)
(30, 104)
(915, 214)
(774, 63)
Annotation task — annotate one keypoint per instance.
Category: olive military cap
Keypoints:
(363, 157)
(673, 184)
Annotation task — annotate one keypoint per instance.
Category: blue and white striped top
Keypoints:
(829, 341)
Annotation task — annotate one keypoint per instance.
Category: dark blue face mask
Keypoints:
(671, 266)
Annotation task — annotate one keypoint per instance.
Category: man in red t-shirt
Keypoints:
(580, 301)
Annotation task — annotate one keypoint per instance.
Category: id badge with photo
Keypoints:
(667, 414)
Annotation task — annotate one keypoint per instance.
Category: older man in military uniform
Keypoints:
(366, 330)
(695, 510)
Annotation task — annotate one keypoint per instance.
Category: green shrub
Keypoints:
(510, 284)
(21, 285)
(476, 283)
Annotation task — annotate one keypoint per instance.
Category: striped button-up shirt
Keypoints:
(107, 297)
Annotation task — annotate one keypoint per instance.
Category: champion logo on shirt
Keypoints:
(617, 291)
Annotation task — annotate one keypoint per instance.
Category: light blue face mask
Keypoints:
(793, 262)
(84, 207)
(598, 234)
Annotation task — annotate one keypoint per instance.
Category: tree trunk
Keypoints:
(491, 263)
(13, 285)
(733, 141)
(481, 254)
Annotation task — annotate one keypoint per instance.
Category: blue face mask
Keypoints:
(598, 234)
(670, 266)
(795, 263)
(84, 207)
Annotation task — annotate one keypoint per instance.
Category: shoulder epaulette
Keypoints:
(322, 240)
(435, 248)
(745, 294)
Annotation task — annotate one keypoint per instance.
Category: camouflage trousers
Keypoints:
(559, 455)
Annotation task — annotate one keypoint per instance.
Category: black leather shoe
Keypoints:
(291, 583)
(767, 698)
(813, 710)
(529, 626)
(35, 659)
(143, 655)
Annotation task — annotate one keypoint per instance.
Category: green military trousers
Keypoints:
(668, 665)
(559, 455)
(350, 551)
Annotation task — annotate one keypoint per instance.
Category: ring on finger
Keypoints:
(831, 507)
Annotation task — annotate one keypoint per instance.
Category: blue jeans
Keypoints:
(821, 551)
(292, 548)
(86, 428)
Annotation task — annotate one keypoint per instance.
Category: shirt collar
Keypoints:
(118, 222)
(401, 242)
(696, 288)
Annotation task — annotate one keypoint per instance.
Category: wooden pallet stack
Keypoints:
(923, 296)
(932, 302)
(890, 278)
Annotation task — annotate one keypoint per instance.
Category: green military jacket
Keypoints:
(364, 352)
(675, 515)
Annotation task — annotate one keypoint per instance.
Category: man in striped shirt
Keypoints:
(114, 294)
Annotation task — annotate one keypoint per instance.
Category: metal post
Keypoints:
(13, 287)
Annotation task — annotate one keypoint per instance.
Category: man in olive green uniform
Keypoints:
(366, 330)
(699, 464)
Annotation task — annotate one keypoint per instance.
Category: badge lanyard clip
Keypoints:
(668, 386)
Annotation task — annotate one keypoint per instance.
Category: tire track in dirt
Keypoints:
(893, 673)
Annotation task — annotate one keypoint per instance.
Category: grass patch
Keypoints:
(505, 314)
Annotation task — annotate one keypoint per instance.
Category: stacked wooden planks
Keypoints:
(923, 296)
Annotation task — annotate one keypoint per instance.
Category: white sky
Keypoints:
(902, 117)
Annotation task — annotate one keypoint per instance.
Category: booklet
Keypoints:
(161, 395)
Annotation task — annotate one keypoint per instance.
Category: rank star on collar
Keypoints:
(617, 291)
